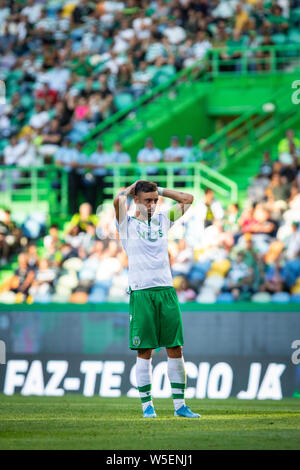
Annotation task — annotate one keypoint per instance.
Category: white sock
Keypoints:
(144, 380)
(177, 377)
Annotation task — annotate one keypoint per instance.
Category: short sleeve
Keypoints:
(168, 223)
(122, 228)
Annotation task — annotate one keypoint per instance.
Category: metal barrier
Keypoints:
(261, 59)
(242, 134)
(32, 189)
(186, 176)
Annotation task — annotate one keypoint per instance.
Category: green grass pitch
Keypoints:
(77, 422)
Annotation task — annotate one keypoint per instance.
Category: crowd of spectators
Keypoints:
(69, 64)
(217, 253)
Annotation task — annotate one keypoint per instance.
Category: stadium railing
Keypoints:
(260, 59)
(230, 144)
(195, 176)
(26, 190)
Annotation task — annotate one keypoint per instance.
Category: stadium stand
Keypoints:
(217, 253)
(68, 67)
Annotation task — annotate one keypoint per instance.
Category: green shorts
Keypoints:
(155, 319)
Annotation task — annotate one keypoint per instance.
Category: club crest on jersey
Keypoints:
(136, 341)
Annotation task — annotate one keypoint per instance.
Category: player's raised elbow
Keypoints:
(188, 198)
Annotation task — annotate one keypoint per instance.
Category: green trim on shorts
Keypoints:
(155, 318)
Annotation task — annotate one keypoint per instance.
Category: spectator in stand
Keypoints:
(40, 118)
(278, 23)
(13, 152)
(234, 51)
(47, 95)
(182, 260)
(67, 158)
(240, 279)
(274, 278)
(64, 111)
(257, 190)
(184, 292)
(174, 152)
(293, 242)
(266, 167)
(201, 45)
(210, 208)
(241, 18)
(84, 177)
(81, 11)
(118, 155)
(293, 207)
(231, 220)
(278, 192)
(17, 111)
(42, 285)
(32, 256)
(190, 152)
(23, 277)
(289, 143)
(289, 168)
(82, 218)
(97, 163)
(10, 236)
(53, 237)
(223, 9)
(149, 154)
(175, 34)
(140, 80)
(51, 139)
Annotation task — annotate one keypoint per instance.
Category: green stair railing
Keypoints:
(260, 59)
(279, 58)
(36, 188)
(228, 145)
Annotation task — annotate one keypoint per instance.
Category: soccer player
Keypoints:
(154, 312)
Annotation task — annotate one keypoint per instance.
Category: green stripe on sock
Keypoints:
(176, 385)
(145, 388)
(144, 399)
(178, 396)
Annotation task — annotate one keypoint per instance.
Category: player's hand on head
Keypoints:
(132, 192)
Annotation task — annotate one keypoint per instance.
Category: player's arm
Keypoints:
(121, 200)
(184, 201)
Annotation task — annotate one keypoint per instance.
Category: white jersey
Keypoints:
(146, 245)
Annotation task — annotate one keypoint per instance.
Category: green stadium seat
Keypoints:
(27, 101)
(3, 144)
(295, 16)
(15, 75)
(294, 37)
(279, 39)
(123, 100)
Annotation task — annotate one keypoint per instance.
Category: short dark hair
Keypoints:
(145, 187)
(208, 190)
